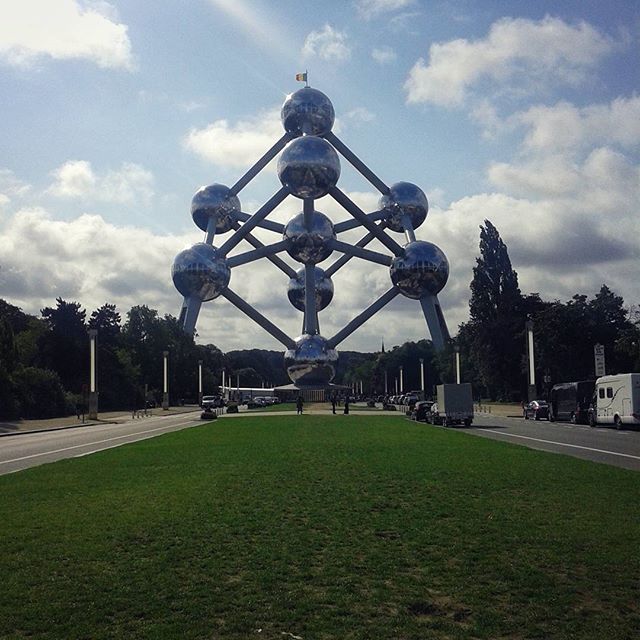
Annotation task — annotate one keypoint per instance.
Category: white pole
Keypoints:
(422, 374)
(386, 386)
(165, 397)
(92, 383)
(401, 380)
(457, 366)
(532, 366)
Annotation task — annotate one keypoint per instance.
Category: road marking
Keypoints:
(89, 444)
(562, 444)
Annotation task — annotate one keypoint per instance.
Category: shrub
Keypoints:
(40, 393)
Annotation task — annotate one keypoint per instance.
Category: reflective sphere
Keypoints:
(307, 111)
(404, 198)
(422, 268)
(216, 199)
(198, 272)
(313, 245)
(311, 362)
(308, 167)
(297, 289)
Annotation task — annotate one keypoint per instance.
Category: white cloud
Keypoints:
(518, 53)
(237, 145)
(62, 30)
(360, 115)
(383, 55)
(131, 184)
(565, 126)
(369, 9)
(328, 44)
(11, 186)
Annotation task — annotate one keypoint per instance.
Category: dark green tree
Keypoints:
(495, 335)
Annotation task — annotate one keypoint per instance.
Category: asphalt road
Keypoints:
(31, 449)
(600, 444)
(605, 445)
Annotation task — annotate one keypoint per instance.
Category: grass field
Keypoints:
(320, 527)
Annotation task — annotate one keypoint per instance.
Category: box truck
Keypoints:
(454, 405)
(616, 400)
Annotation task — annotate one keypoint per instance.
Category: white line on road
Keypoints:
(562, 444)
(89, 444)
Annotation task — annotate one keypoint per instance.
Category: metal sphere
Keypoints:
(309, 245)
(312, 362)
(297, 289)
(308, 167)
(200, 273)
(215, 200)
(404, 198)
(421, 269)
(307, 111)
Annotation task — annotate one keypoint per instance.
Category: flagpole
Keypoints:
(306, 77)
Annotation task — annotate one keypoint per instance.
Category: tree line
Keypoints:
(44, 361)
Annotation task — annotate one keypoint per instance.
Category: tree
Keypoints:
(495, 332)
(65, 347)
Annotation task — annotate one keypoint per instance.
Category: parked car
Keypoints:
(410, 399)
(536, 410)
(211, 402)
(421, 409)
(571, 401)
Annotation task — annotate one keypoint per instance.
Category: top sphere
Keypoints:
(215, 200)
(404, 199)
(307, 111)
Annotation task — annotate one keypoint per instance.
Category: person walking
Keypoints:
(333, 402)
(346, 405)
(299, 403)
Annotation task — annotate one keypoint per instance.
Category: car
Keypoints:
(536, 410)
(211, 402)
(421, 409)
(410, 399)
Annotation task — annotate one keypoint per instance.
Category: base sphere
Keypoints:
(312, 362)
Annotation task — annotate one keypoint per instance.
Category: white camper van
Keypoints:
(616, 400)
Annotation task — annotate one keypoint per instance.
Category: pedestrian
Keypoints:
(333, 402)
(346, 405)
(299, 403)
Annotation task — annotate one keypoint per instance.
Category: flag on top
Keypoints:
(301, 77)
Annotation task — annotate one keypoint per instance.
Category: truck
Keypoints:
(571, 401)
(616, 400)
(454, 405)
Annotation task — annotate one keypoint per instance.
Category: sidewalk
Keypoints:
(108, 417)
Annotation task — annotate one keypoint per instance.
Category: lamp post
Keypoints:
(422, 376)
(532, 365)
(165, 395)
(456, 349)
(401, 379)
(93, 391)
(199, 382)
(386, 386)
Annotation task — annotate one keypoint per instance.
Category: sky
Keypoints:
(113, 114)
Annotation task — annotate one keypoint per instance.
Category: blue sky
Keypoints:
(114, 113)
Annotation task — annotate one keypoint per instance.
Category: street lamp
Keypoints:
(401, 379)
(456, 348)
(93, 392)
(532, 367)
(199, 382)
(165, 395)
(422, 375)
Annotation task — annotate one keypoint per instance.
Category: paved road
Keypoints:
(601, 444)
(31, 449)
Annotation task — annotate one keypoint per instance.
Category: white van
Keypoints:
(616, 400)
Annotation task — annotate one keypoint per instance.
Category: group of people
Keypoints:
(334, 403)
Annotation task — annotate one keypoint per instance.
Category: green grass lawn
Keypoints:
(321, 527)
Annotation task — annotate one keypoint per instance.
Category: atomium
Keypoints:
(309, 242)
(422, 269)
(215, 202)
(307, 111)
(312, 361)
(309, 168)
(200, 273)
(323, 289)
(404, 199)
